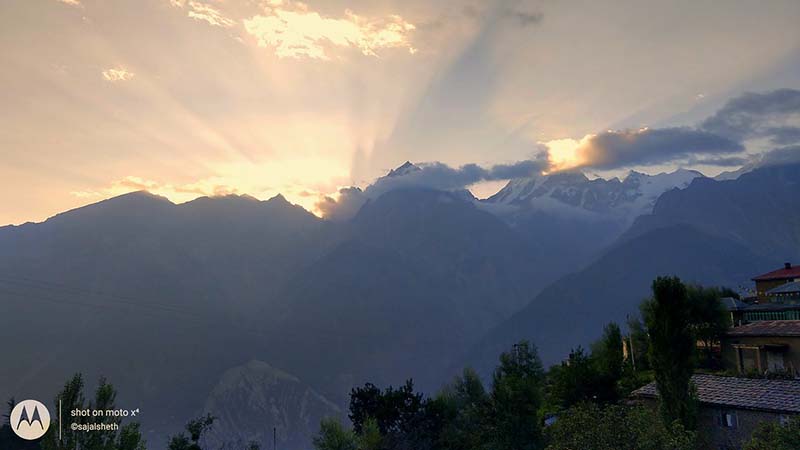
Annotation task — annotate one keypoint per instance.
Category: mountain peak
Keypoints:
(140, 194)
(405, 169)
(279, 199)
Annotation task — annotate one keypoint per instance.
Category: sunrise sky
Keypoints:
(206, 97)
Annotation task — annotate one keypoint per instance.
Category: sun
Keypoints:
(564, 153)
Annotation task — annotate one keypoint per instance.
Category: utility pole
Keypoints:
(274, 438)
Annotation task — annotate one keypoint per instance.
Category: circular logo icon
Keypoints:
(30, 419)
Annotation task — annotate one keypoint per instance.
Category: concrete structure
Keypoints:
(731, 408)
(763, 347)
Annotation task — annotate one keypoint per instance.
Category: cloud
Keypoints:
(437, 175)
(207, 13)
(616, 149)
(718, 161)
(76, 3)
(182, 192)
(430, 175)
(119, 74)
(204, 12)
(783, 135)
(294, 31)
(523, 18)
(344, 207)
(780, 156)
(774, 115)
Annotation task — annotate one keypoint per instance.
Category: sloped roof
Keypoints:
(779, 396)
(788, 288)
(771, 307)
(780, 274)
(767, 328)
(733, 304)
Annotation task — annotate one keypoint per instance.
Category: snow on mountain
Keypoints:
(407, 168)
(573, 193)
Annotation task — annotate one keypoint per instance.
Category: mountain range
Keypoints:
(184, 306)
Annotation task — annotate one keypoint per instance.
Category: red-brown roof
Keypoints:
(767, 328)
(780, 274)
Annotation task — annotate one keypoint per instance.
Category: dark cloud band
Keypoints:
(773, 115)
(616, 149)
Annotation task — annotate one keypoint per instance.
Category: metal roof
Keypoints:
(741, 393)
(788, 288)
(733, 304)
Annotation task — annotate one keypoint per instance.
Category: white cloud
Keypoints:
(71, 2)
(120, 74)
(294, 31)
(207, 13)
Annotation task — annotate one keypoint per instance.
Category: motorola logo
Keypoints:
(30, 419)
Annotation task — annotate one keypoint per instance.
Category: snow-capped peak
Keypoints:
(573, 191)
(407, 168)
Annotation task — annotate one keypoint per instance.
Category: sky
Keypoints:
(187, 98)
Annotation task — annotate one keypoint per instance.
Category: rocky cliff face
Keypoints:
(252, 399)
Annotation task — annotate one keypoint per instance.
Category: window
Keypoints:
(775, 361)
(728, 419)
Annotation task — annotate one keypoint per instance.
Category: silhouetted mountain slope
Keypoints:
(422, 275)
(157, 297)
(712, 232)
(573, 310)
(164, 298)
(572, 219)
(760, 210)
(203, 254)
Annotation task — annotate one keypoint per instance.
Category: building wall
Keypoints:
(763, 286)
(791, 358)
(716, 433)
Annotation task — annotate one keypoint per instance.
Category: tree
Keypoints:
(333, 436)
(593, 427)
(371, 437)
(672, 348)
(394, 410)
(196, 428)
(592, 377)
(464, 404)
(774, 436)
(125, 437)
(607, 352)
(608, 359)
(639, 344)
(708, 316)
(573, 381)
(515, 400)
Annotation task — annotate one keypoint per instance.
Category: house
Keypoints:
(731, 407)
(774, 279)
(735, 308)
(763, 347)
(785, 294)
(768, 311)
